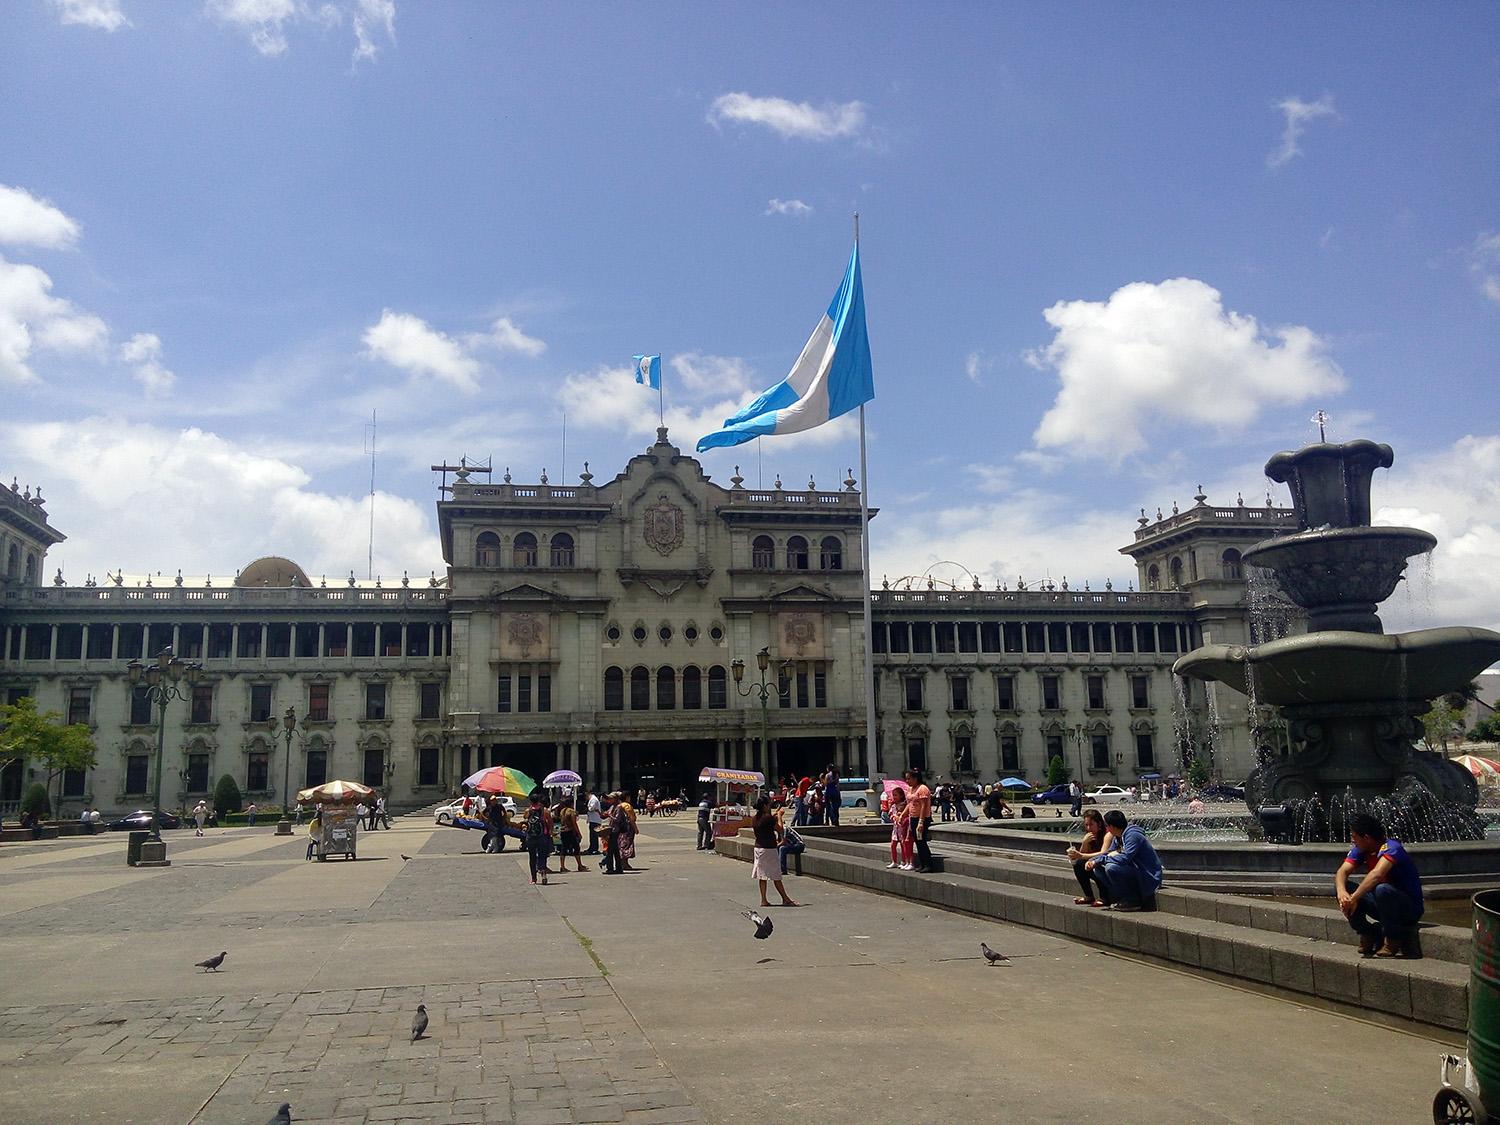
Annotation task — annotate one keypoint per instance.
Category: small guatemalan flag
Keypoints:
(648, 371)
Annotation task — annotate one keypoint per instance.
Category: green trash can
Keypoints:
(1484, 998)
(133, 848)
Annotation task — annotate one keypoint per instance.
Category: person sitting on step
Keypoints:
(1391, 890)
(1129, 875)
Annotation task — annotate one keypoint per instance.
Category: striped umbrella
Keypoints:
(336, 793)
(501, 779)
(1486, 771)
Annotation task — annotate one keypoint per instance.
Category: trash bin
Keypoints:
(133, 848)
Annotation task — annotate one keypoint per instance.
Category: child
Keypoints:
(900, 830)
(314, 827)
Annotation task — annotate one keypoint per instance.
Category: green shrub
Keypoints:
(1197, 771)
(34, 800)
(1057, 770)
(226, 796)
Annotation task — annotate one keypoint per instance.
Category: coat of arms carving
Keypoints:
(799, 632)
(664, 525)
(524, 631)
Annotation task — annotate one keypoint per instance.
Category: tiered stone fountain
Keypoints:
(1351, 694)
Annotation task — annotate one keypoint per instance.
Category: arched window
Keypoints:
(1231, 561)
(13, 562)
(1176, 572)
(666, 689)
(718, 695)
(640, 689)
(614, 689)
(762, 553)
(523, 550)
(562, 549)
(487, 549)
(692, 689)
(831, 554)
(1153, 577)
(30, 569)
(796, 553)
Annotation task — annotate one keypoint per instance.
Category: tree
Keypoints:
(43, 738)
(1487, 729)
(1057, 770)
(226, 796)
(1197, 771)
(1439, 723)
(34, 800)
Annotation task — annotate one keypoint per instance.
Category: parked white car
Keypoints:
(1111, 794)
(446, 813)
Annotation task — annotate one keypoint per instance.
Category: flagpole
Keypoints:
(864, 550)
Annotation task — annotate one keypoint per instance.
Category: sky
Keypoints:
(1110, 252)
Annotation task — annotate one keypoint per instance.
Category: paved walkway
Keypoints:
(638, 998)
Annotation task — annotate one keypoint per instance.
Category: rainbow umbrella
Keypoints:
(1486, 771)
(501, 779)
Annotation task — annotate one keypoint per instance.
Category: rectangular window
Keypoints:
(921, 636)
(390, 639)
(900, 637)
(140, 707)
(877, 636)
(249, 641)
(544, 691)
(70, 642)
(100, 639)
(1057, 636)
(523, 692)
(158, 637)
(783, 687)
(427, 765)
(1078, 636)
(1140, 691)
(220, 640)
(1145, 752)
(1167, 634)
(197, 773)
(430, 701)
(375, 701)
(73, 782)
(317, 702)
(307, 642)
(201, 710)
(1124, 638)
(364, 640)
(803, 684)
(1010, 753)
(1054, 747)
(959, 689)
(317, 768)
(1145, 637)
(1103, 635)
(257, 769)
(135, 775)
(79, 699)
(989, 636)
(278, 641)
(968, 637)
(190, 642)
(1095, 686)
(132, 637)
(1013, 637)
(1036, 637)
(39, 643)
(963, 753)
(418, 640)
(260, 703)
(502, 693)
(1099, 745)
(1005, 693)
(336, 640)
(944, 633)
(916, 753)
(1051, 694)
(820, 688)
(913, 685)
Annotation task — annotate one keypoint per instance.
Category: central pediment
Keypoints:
(663, 582)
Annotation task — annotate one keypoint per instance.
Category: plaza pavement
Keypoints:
(860, 1007)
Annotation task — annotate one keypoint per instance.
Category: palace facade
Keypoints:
(597, 627)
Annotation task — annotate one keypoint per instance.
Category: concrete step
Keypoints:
(1433, 991)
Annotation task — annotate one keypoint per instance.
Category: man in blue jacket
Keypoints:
(1130, 875)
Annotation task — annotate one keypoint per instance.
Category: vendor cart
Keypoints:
(337, 831)
(734, 797)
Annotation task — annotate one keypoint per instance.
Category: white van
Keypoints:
(854, 793)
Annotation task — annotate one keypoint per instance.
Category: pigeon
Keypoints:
(407, 858)
(419, 1023)
(990, 955)
(283, 1115)
(763, 926)
(212, 963)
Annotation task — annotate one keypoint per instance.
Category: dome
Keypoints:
(272, 571)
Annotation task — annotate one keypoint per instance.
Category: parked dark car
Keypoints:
(140, 821)
(1057, 795)
(1222, 793)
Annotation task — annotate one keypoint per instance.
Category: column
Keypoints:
(114, 642)
(234, 641)
(321, 647)
(265, 637)
(52, 655)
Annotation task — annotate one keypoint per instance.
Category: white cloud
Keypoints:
(1156, 354)
(105, 15)
(370, 16)
(143, 352)
(793, 207)
(791, 119)
(507, 337)
(1298, 113)
(1484, 264)
(199, 486)
(26, 220)
(32, 319)
(263, 21)
(715, 374)
(410, 343)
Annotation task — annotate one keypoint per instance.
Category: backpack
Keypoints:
(535, 829)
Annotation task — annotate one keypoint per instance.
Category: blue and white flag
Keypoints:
(831, 377)
(648, 371)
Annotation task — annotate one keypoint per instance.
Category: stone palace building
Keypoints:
(596, 626)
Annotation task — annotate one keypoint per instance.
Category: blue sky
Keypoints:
(1110, 253)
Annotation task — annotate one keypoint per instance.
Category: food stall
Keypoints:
(338, 823)
(734, 797)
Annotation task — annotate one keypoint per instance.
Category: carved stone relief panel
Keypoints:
(799, 635)
(525, 636)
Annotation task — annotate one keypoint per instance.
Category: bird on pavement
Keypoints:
(283, 1115)
(419, 1023)
(990, 955)
(407, 858)
(763, 926)
(212, 964)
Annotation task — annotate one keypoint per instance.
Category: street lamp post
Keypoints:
(1078, 745)
(288, 729)
(163, 679)
(764, 690)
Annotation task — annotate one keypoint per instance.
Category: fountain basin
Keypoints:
(1348, 667)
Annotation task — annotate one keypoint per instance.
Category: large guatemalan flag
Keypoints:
(648, 371)
(831, 377)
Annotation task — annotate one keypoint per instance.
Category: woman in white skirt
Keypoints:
(767, 865)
